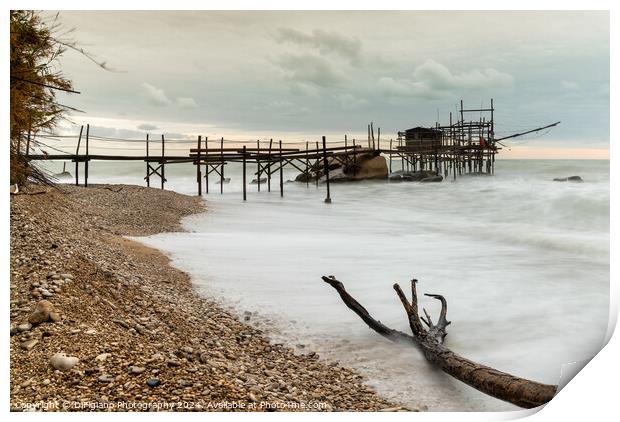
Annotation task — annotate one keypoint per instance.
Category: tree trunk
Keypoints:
(518, 391)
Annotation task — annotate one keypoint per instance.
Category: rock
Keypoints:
(46, 293)
(47, 381)
(63, 362)
(437, 178)
(134, 370)
(367, 165)
(105, 378)
(261, 180)
(102, 357)
(43, 312)
(26, 326)
(28, 344)
(153, 382)
(90, 332)
(187, 349)
(66, 276)
(410, 176)
(568, 179)
(373, 168)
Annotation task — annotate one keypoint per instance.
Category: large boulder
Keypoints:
(363, 166)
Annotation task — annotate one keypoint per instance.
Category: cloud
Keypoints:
(434, 80)
(154, 95)
(147, 126)
(327, 42)
(349, 101)
(186, 102)
(309, 69)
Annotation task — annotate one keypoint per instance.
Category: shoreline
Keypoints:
(130, 317)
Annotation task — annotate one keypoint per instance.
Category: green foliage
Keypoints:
(35, 78)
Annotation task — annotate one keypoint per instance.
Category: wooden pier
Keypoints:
(458, 148)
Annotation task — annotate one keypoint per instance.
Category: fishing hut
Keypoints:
(462, 146)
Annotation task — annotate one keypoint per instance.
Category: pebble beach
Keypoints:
(101, 322)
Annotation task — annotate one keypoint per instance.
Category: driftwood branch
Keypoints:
(518, 391)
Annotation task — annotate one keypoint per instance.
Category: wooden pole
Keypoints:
(258, 163)
(28, 143)
(148, 163)
(317, 165)
(379, 139)
(307, 167)
(163, 161)
(244, 176)
(281, 172)
(77, 151)
(222, 166)
(207, 165)
(87, 157)
(390, 155)
(269, 167)
(328, 199)
(198, 173)
(354, 159)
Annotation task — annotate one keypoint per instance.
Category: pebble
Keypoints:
(44, 311)
(28, 344)
(153, 382)
(136, 370)
(105, 378)
(102, 357)
(24, 327)
(47, 381)
(62, 362)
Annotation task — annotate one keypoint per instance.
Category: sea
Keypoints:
(522, 260)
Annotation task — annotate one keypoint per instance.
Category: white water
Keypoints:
(522, 260)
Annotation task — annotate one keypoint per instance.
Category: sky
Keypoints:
(298, 75)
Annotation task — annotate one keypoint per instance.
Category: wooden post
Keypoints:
(379, 139)
(281, 172)
(390, 155)
(87, 158)
(163, 161)
(207, 165)
(317, 165)
(269, 167)
(222, 166)
(198, 173)
(244, 180)
(148, 163)
(307, 167)
(258, 163)
(28, 143)
(77, 151)
(368, 136)
(354, 158)
(328, 199)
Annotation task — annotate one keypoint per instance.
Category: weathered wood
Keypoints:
(328, 199)
(281, 171)
(163, 162)
(504, 386)
(148, 165)
(222, 168)
(87, 157)
(77, 152)
(198, 174)
(244, 176)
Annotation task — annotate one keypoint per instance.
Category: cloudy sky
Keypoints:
(295, 75)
